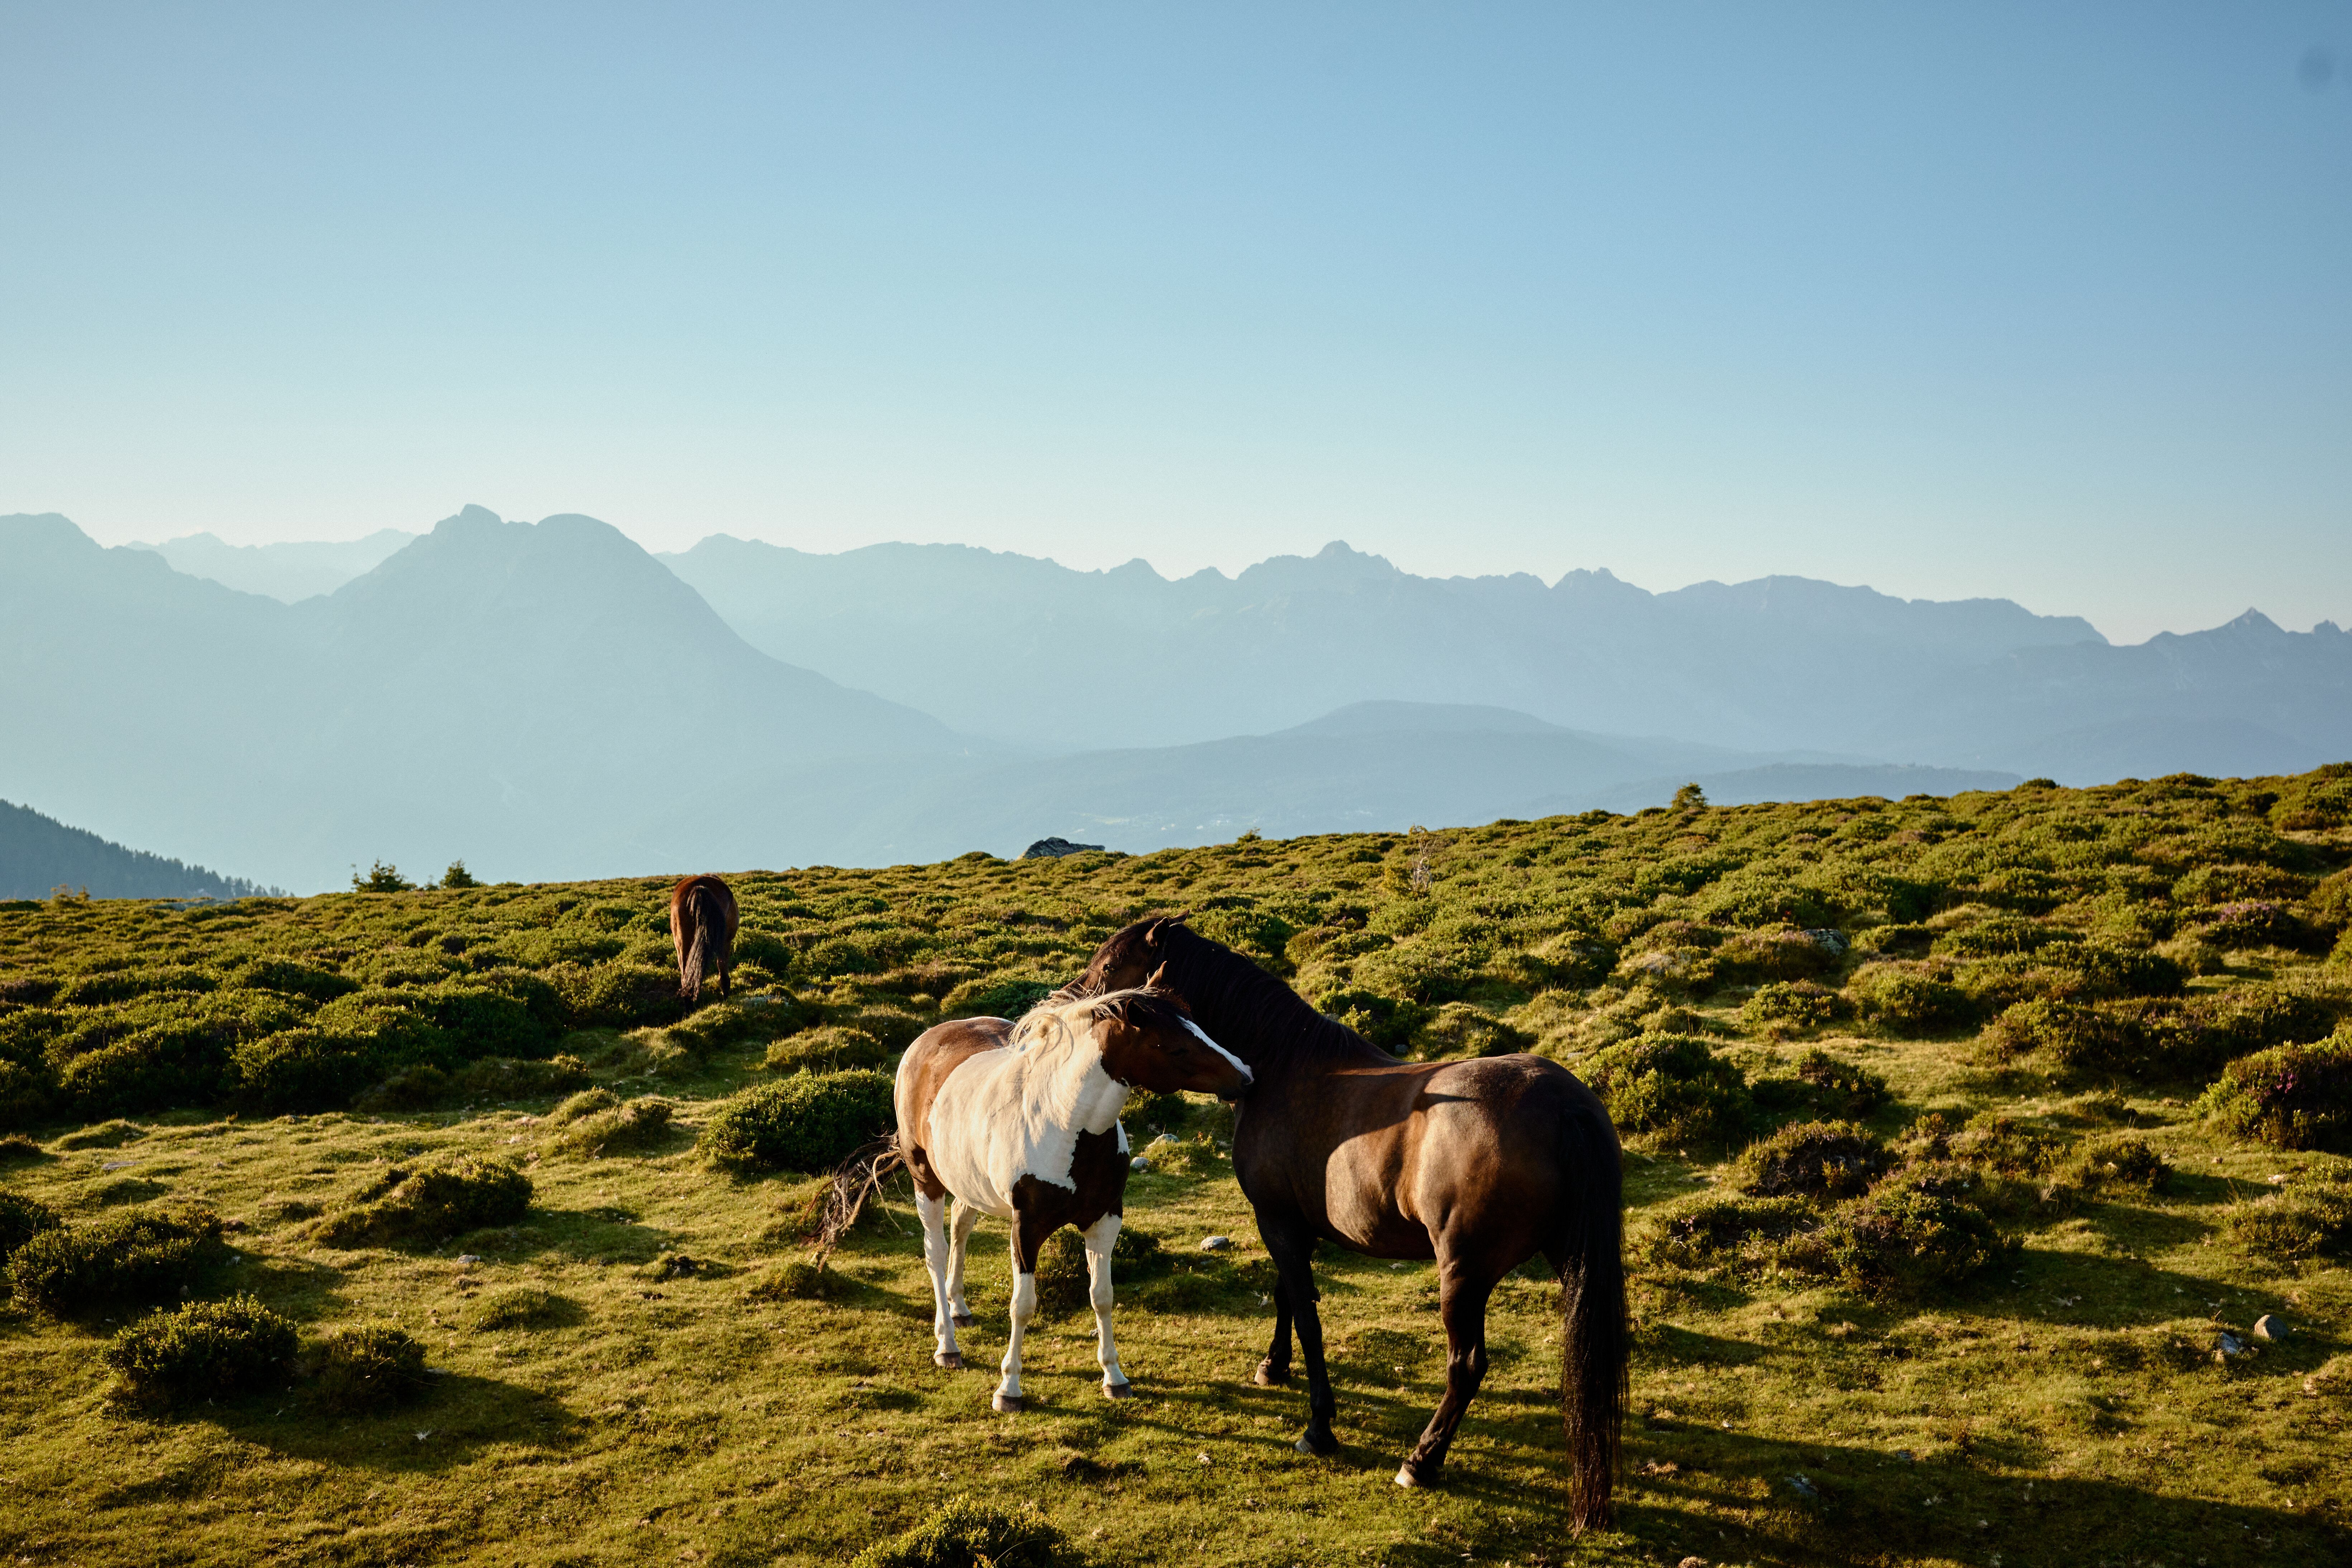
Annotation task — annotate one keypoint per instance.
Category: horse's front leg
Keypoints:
(1274, 1370)
(1464, 1284)
(1100, 1236)
(1007, 1398)
(959, 1244)
(1292, 1251)
(932, 1212)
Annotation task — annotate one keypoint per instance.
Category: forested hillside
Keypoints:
(1986, 1164)
(39, 855)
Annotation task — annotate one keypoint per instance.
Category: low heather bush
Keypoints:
(1719, 1227)
(2296, 1097)
(1907, 1239)
(414, 1205)
(135, 1257)
(1785, 1006)
(205, 1349)
(519, 1307)
(365, 1368)
(810, 1121)
(827, 1049)
(2313, 1219)
(964, 1532)
(1910, 1002)
(2122, 1164)
(1672, 1086)
(639, 1124)
(1814, 1159)
(21, 1219)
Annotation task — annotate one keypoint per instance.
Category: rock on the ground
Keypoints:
(2268, 1327)
(1055, 848)
(1216, 1243)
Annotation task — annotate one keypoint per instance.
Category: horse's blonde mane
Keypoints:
(1060, 1019)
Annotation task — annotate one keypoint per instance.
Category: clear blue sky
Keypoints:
(2051, 302)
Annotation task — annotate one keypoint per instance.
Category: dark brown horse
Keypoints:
(1478, 1164)
(702, 929)
(1021, 1122)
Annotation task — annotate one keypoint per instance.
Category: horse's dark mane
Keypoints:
(1219, 983)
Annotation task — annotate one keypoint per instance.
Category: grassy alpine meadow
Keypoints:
(1988, 1203)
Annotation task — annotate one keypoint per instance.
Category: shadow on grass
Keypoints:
(445, 1425)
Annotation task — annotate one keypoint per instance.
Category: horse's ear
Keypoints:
(1152, 981)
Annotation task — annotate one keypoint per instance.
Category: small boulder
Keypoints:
(1216, 1243)
(1055, 848)
(1138, 1163)
(2270, 1327)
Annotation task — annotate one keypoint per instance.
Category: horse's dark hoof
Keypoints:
(949, 1360)
(963, 1319)
(1416, 1473)
(1118, 1390)
(1270, 1375)
(1311, 1442)
(1005, 1403)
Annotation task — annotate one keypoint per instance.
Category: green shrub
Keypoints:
(1704, 1232)
(1784, 1006)
(2004, 1146)
(1910, 1002)
(2312, 1218)
(21, 1219)
(2296, 1097)
(810, 1121)
(2126, 1163)
(1062, 1273)
(300, 1069)
(520, 1306)
(418, 1204)
(995, 998)
(134, 1258)
(1778, 953)
(1901, 938)
(2253, 922)
(587, 1102)
(796, 1281)
(618, 996)
(1814, 1159)
(502, 1078)
(828, 1048)
(639, 1124)
(411, 1089)
(16, 1148)
(1840, 1090)
(965, 1534)
(1147, 1113)
(205, 1349)
(1461, 1030)
(1672, 1086)
(363, 1368)
(2068, 1034)
(2234, 883)
(1907, 1239)
(105, 1135)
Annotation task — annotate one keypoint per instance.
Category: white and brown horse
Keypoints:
(1021, 1122)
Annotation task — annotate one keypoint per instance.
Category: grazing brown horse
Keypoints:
(702, 929)
(1021, 1122)
(1478, 1164)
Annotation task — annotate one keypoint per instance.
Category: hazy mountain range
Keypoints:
(552, 700)
(39, 855)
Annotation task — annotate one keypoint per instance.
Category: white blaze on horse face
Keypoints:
(1017, 1111)
(1202, 1035)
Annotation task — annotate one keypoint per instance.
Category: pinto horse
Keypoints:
(702, 929)
(1478, 1164)
(1021, 1122)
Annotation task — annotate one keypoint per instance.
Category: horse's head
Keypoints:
(1149, 1040)
(1130, 956)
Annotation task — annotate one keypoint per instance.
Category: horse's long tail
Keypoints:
(854, 1180)
(702, 915)
(1593, 1336)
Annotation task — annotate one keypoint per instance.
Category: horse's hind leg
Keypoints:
(1100, 1236)
(1274, 1370)
(932, 1212)
(1465, 1280)
(959, 1244)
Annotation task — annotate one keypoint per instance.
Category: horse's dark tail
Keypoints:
(702, 913)
(854, 1180)
(1594, 1336)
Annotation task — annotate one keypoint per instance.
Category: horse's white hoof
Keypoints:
(1405, 1477)
(1005, 1403)
(1303, 1447)
(949, 1360)
(1117, 1389)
